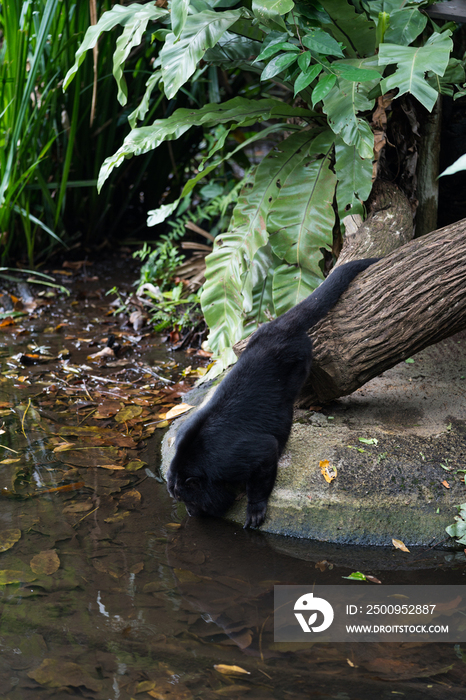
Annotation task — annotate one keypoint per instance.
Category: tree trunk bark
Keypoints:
(388, 226)
(413, 298)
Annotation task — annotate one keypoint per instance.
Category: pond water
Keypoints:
(107, 589)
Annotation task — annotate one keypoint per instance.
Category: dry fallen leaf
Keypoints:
(329, 473)
(373, 579)
(400, 545)
(446, 484)
(226, 670)
(105, 352)
(177, 410)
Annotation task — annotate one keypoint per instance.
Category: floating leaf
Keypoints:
(64, 447)
(356, 576)
(8, 538)
(400, 545)
(46, 562)
(10, 460)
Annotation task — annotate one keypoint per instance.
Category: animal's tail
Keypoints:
(324, 298)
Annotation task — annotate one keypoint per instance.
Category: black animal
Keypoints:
(239, 435)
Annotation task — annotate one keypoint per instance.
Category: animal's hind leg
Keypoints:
(260, 483)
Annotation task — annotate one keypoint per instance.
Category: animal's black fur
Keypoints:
(239, 435)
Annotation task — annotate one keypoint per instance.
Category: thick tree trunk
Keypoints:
(413, 298)
(388, 226)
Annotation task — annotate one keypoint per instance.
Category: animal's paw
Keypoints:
(255, 514)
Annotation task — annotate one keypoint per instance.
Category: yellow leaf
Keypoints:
(400, 545)
(13, 576)
(134, 465)
(145, 686)
(226, 670)
(46, 562)
(128, 413)
(62, 447)
(10, 460)
(329, 473)
(178, 410)
(8, 538)
(118, 517)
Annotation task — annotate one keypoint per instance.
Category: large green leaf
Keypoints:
(354, 30)
(234, 51)
(143, 107)
(405, 21)
(292, 285)
(412, 64)
(180, 56)
(405, 26)
(278, 64)
(320, 42)
(133, 15)
(301, 221)
(230, 278)
(453, 76)
(343, 104)
(179, 14)
(130, 38)
(156, 216)
(269, 12)
(239, 110)
(354, 176)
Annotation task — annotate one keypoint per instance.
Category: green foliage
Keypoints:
(458, 529)
(159, 263)
(337, 56)
(50, 149)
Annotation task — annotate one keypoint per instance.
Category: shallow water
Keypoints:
(115, 593)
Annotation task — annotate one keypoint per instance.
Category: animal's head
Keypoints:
(194, 478)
